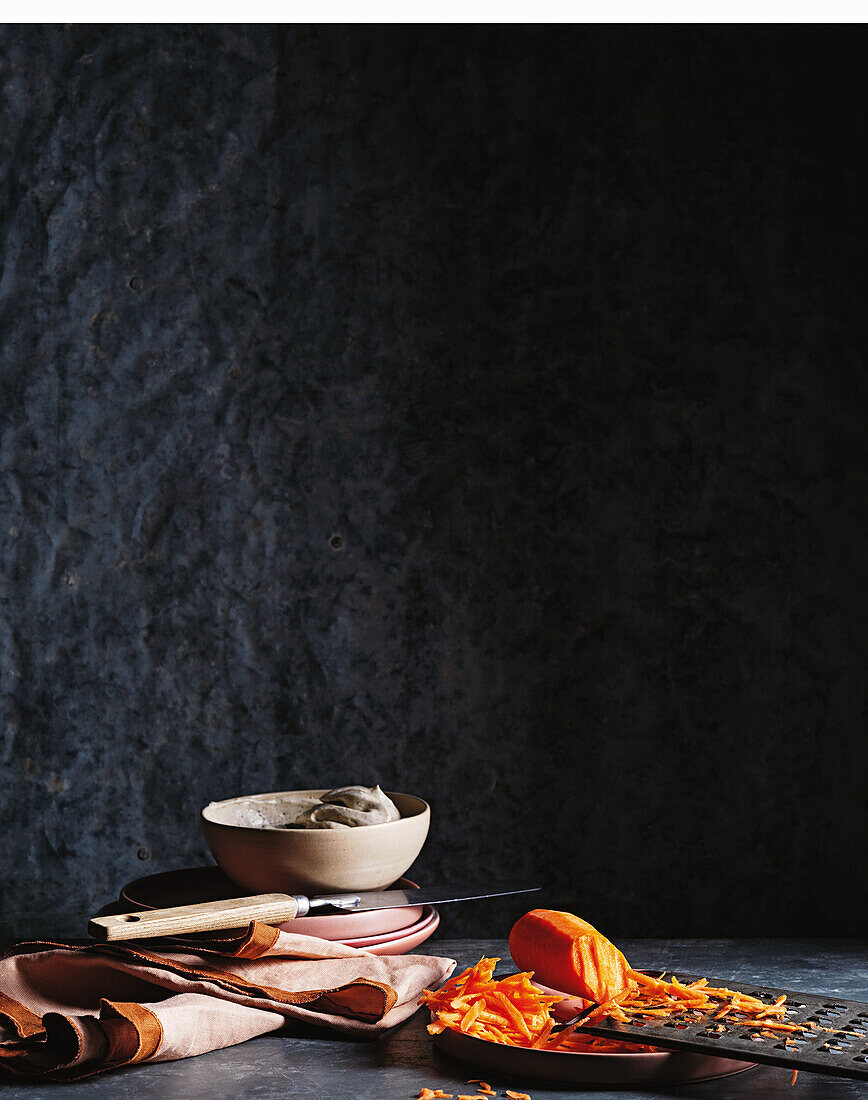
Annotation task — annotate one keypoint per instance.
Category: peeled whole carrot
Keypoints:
(568, 954)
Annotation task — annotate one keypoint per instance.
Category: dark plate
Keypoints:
(660, 1067)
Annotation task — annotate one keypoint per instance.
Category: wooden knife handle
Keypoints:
(204, 917)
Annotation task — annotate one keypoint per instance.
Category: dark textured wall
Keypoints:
(480, 411)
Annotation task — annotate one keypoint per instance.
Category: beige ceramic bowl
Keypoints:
(264, 858)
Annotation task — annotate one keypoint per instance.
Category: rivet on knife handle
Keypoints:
(204, 917)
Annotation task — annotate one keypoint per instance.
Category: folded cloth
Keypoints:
(71, 1011)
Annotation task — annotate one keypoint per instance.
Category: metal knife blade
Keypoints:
(430, 895)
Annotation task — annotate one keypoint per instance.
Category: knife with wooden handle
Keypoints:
(210, 916)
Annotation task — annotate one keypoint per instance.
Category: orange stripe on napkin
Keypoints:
(137, 1038)
(25, 1022)
(259, 940)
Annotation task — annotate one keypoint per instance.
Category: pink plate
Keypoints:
(403, 942)
(428, 917)
(376, 922)
(598, 1068)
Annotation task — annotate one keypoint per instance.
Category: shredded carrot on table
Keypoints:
(516, 1012)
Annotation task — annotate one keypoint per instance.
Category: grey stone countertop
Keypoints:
(397, 1066)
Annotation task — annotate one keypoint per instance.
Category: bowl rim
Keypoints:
(424, 808)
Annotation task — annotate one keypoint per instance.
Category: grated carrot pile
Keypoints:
(516, 1012)
(488, 1091)
(512, 1011)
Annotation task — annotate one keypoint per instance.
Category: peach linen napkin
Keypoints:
(72, 1011)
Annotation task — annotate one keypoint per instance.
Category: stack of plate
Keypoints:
(381, 931)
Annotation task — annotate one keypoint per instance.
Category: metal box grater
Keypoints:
(836, 1041)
